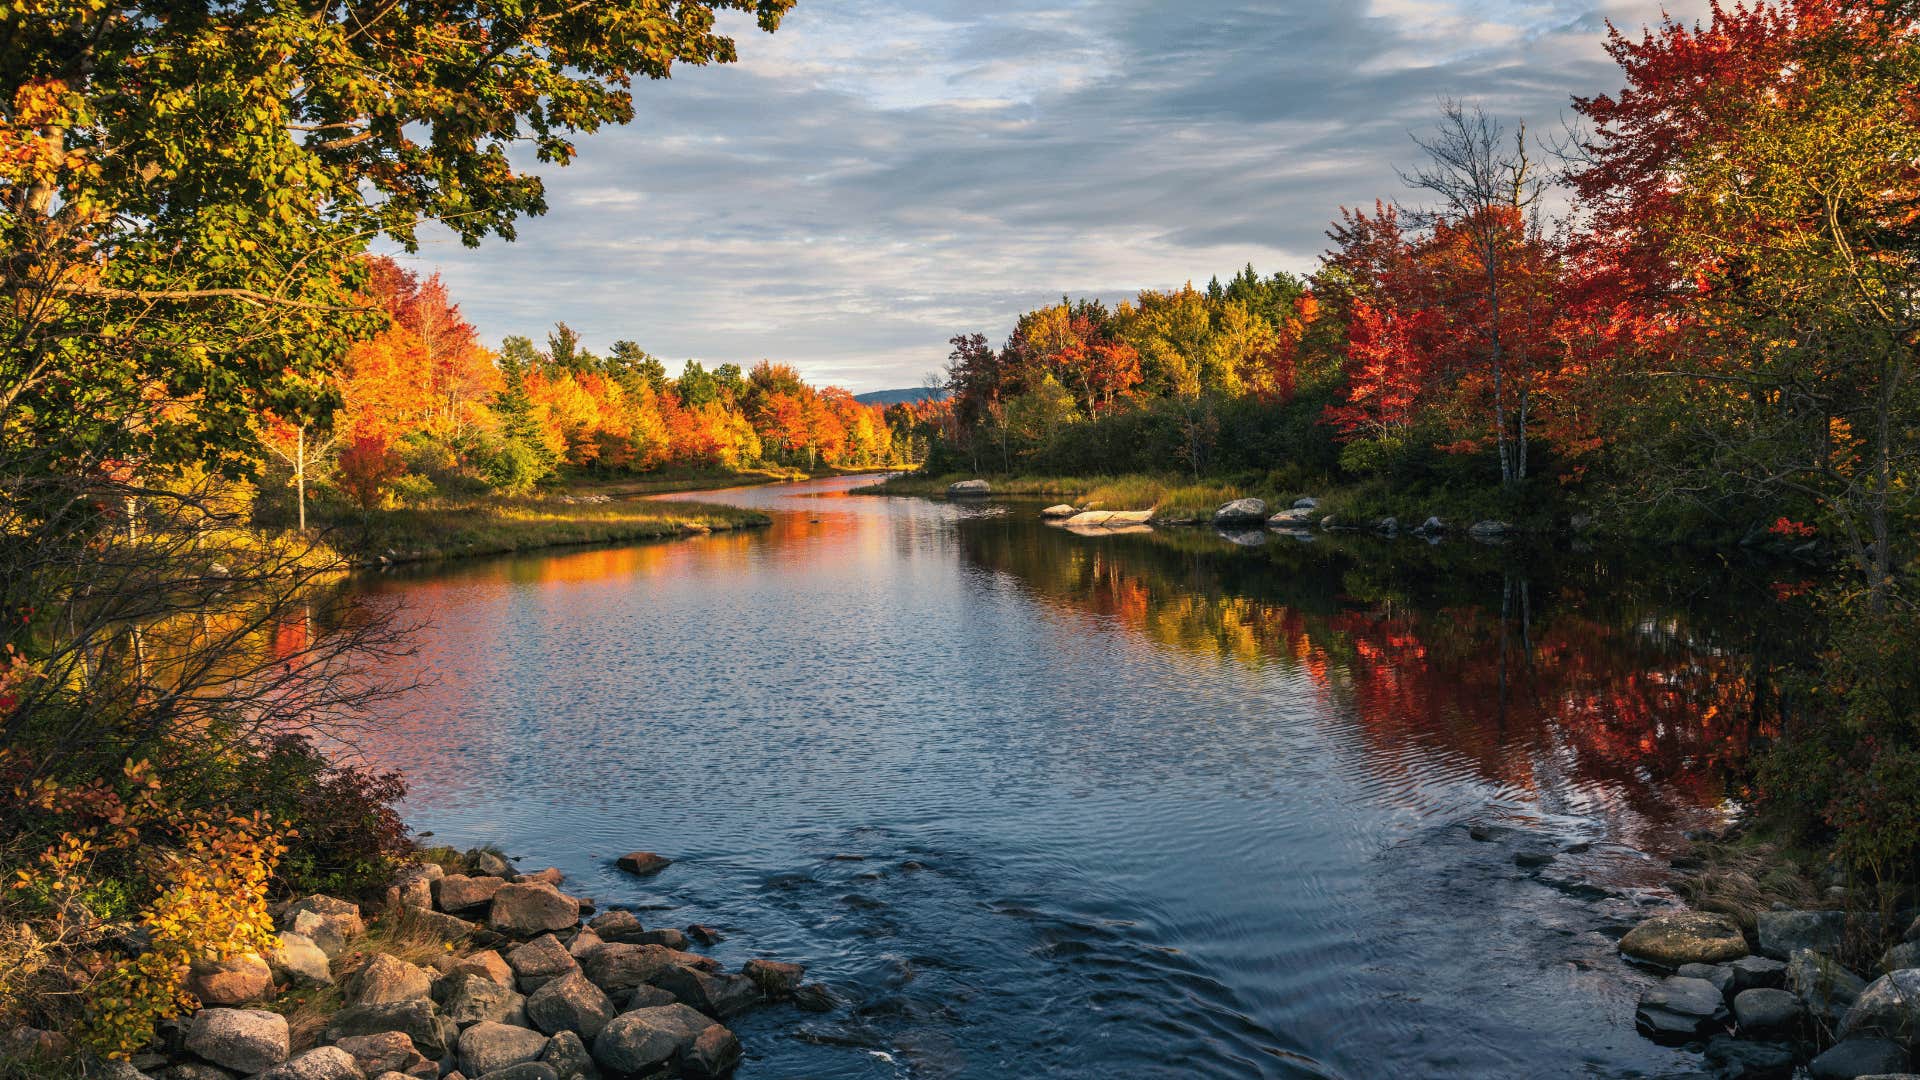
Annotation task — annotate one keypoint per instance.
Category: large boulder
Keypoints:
(244, 1040)
(583, 943)
(1298, 519)
(642, 863)
(1782, 932)
(570, 1003)
(1828, 989)
(328, 922)
(385, 978)
(486, 962)
(299, 962)
(540, 961)
(969, 489)
(1769, 1014)
(713, 994)
(1750, 972)
(320, 1063)
(567, 1055)
(615, 968)
(774, 978)
(617, 925)
(468, 997)
(1240, 512)
(1686, 937)
(488, 1047)
(527, 908)
(714, 1052)
(458, 894)
(637, 1041)
(1889, 1007)
(1089, 519)
(236, 980)
(389, 1052)
(1851, 1059)
(1901, 956)
(418, 1018)
(1680, 1009)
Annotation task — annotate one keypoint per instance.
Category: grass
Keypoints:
(502, 527)
(1741, 879)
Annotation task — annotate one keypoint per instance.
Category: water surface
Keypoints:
(1040, 804)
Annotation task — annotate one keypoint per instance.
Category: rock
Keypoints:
(1679, 1010)
(457, 894)
(299, 962)
(1913, 929)
(1489, 530)
(1687, 937)
(487, 863)
(530, 908)
(489, 1047)
(584, 943)
(540, 961)
(1433, 526)
(705, 935)
(714, 1053)
(617, 926)
(1533, 858)
(244, 1040)
(570, 1003)
(614, 968)
(486, 962)
(642, 863)
(775, 979)
(385, 978)
(1750, 972)
(413, 886)
(526, 1070)
(468, 997)
(418, 1018)
(1060, 511)
(1297, 518)
(193, 1070)
(388, 1052)
(667, 936)
(425, 922)
(719, 996)
(567, 1055)
(1851, 1059)
(1306, 502)
(1389, 526)
(1737, 1059)
(1901, 956)
(327, 922)
(233, 981)
(113, 1070)
(1119, 518)
(1828, 989)
(636, 1041)
(321, 1063)
(970, 489)
(551, 875)
(1769, 1014)
(1781, 932)
(1720, 975)
(1889, 1007)
(648, 997)
(813, 997)
(33, 1042)
(1241, 512)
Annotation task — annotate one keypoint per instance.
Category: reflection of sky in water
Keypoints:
(1126, 802)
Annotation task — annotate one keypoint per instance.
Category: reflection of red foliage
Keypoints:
(1793, 530)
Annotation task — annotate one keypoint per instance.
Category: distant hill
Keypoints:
(895, 397)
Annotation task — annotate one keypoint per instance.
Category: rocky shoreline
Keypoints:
(473, 971)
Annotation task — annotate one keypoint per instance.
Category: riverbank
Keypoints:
(465, 966)
(510, 526)
(675, 481)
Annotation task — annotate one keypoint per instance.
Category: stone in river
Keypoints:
(1680, 1009)
(1769, 1014)
(715, 995)
(970, 489)
(1241, 512)
(1737, 1059)
(642, 863)
(637, 1041)
(1060, 511)
(1750, 972)
(1687, 937)
(1851, 1059)
(714, 1053)
(1720, 975)
(775, 979)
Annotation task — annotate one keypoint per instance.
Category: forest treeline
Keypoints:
(422, 409)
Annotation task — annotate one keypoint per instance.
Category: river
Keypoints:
(1041, 804)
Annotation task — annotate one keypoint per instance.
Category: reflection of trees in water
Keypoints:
(1609, 672)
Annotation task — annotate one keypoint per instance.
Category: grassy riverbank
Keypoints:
(1179, 498)
(671, 481)
(507, 526)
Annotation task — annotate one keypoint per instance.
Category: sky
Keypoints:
(880, 176)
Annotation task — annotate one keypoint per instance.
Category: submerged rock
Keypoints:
(1679, 1009)
(642, 863)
